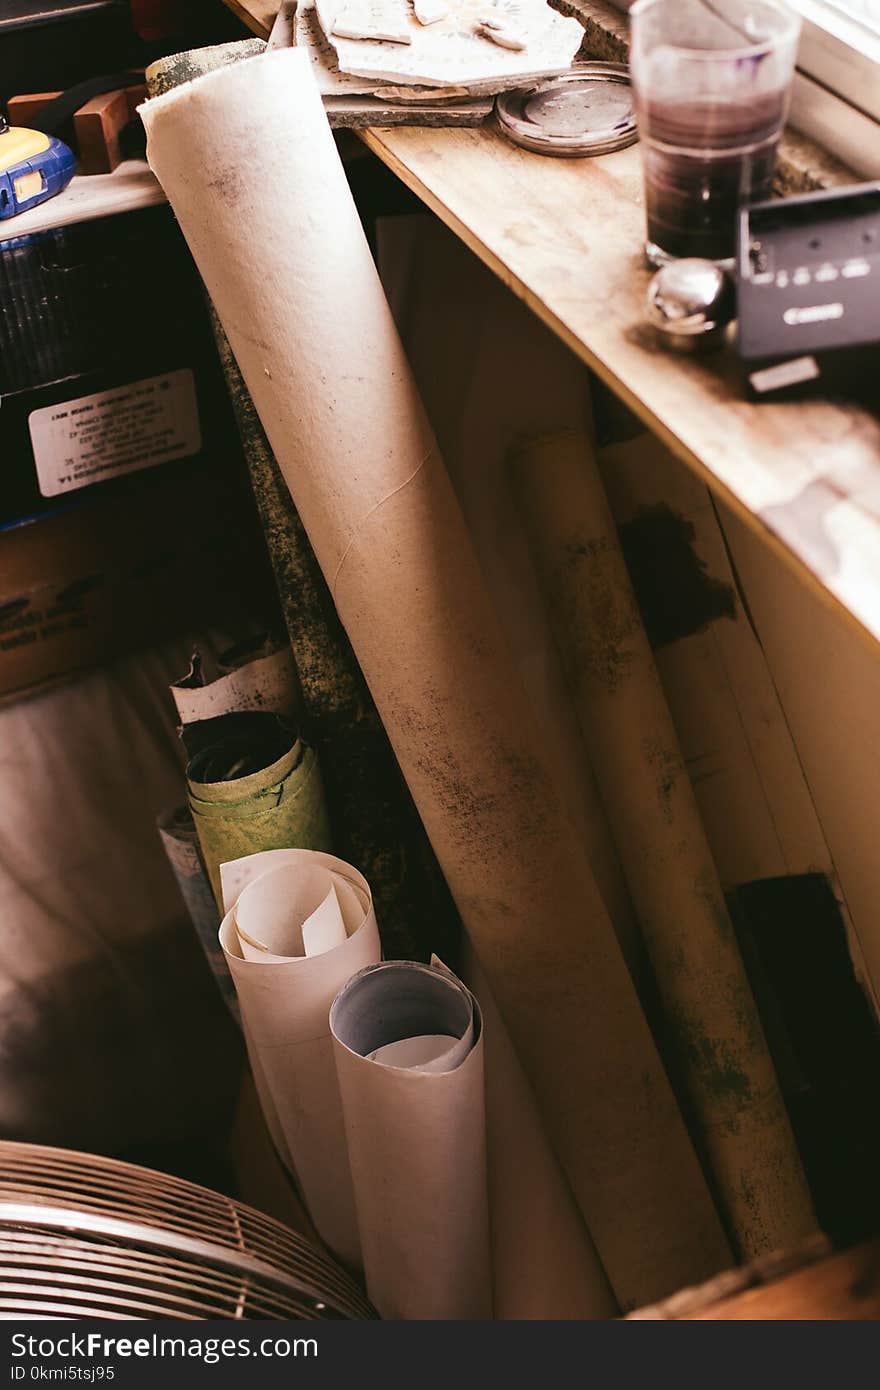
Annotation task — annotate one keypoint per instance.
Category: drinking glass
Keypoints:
(711, 80)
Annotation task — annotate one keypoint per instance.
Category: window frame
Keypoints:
(841, 54)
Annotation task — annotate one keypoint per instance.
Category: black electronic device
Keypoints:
(808, 291)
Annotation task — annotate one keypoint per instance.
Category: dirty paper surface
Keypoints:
(711, 1012)
(280, 805)
(416, 1129)
(351, 437)
(285, 997)
(266, 683)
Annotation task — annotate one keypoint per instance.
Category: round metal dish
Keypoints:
(587, 111)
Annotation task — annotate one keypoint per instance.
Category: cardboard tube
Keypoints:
(285, 1004)
(416, 1133)
(248, 162)
(180, 842)
(672, 878)
(374, 821)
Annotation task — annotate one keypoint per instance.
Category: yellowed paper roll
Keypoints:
(248, 162)
(662, 844)
(285, 990)
(267, 682)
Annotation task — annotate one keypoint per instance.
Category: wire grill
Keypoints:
(82, 1236)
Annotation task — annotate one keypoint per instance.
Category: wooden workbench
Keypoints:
(566, 236)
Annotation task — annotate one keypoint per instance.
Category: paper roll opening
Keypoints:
(394, 1000)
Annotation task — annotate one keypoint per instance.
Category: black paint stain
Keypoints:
(676, 593)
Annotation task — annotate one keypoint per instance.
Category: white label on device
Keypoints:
(785, 374)
(102, 436)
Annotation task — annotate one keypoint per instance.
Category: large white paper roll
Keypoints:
(408, 1044)
(248, 162)
(297, 925)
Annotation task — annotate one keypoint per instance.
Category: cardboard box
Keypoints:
(125, 509)
(84, 585)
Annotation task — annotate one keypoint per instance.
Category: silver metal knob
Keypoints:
(690, 303)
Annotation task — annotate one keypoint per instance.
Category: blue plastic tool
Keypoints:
(33, 167)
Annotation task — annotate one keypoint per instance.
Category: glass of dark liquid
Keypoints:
(711, 80)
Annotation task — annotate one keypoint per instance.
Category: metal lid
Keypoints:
(583, 112)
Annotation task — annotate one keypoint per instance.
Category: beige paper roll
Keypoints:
(673, 881)
(267, 682)
(285, 1004)
(508, 377)
(415, 1121)
(544, 1262)
(248, 162)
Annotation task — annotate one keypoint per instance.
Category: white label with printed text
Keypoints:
(102, 436)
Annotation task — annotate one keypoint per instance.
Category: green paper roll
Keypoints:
(376, 825)
(245, 799)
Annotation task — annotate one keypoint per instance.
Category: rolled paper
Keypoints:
(181, 844)
(753, 797)
(408, 1045)
(375, 822)
(247, 159)
(376, 825)
(267, 682)
(285, 985)
(544, 1262)
(482, 390)
(252, 787)
(169, 72)
(632, 741)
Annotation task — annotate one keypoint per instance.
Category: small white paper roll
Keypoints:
(280, 899)
(416, 1138)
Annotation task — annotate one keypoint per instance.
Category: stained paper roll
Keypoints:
(177, 832)
(167, 73)
(408, 1044)
(672, 878)
(247, 159)
(297, 925)
(266, 682)
(253, 787)
(374, 820)
(375, 823)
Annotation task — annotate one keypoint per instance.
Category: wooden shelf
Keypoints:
(566, 237)
(842, 1287)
